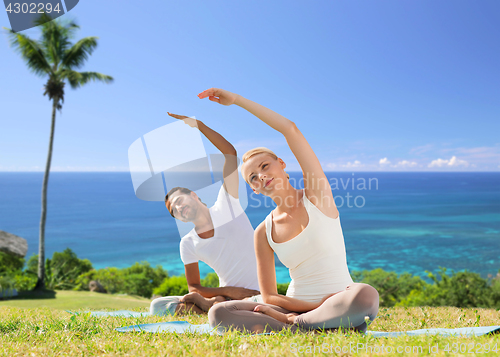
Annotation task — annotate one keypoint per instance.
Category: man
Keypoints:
(222, 237)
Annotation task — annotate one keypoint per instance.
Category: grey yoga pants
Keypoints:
(345, 309)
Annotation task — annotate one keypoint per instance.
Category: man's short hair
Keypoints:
(184, 190)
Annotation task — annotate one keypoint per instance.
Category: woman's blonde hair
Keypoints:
(260, 150)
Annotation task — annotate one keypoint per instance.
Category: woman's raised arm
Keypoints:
(315, 182)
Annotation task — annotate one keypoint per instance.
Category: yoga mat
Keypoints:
(122, 313)
(184, 326)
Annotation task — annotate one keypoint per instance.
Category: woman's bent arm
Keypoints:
(267, 276)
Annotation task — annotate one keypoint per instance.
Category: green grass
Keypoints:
(51, 331)
(72, 300)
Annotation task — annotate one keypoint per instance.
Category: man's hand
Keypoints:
(193, 123)
(220, 96)
(239, 293)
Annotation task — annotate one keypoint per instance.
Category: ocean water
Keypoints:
(398, 221)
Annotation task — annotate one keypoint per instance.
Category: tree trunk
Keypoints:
(40, 284)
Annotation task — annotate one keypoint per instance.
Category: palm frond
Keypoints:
(31, 52)
(56, 37)
(77, 79)
(76, 56)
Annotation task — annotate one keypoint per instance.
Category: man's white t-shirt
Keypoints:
(230, 252)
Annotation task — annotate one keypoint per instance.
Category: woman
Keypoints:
(304, 230)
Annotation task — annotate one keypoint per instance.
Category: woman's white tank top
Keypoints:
(316, 258)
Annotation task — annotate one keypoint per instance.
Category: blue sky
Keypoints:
(373, 85)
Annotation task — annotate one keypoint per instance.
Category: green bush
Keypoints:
(153, 276)
(10, 264)
(25, 281)
(137, 284)
(61, 272)
(32, 264)
(282, 288)
(495, 291)
(391, 287)
(6, 283)
(462, 289)
(12, 275)
(210, 281)
(110, 278)
(175, 285)
(139, 279)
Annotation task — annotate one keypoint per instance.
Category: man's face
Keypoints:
(183, 206)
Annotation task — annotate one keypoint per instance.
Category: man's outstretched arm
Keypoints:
(194, 285)
(230, 170)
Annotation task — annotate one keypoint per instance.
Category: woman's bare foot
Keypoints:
(286, 318)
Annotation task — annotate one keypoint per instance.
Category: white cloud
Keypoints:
(406, 163)
(453, 162)
(477, 157)
(384, 161)
(330, 165)
(481, 156)
(438, 163)
(356, 163)
(457, 162)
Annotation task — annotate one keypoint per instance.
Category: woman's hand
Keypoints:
(193, 123)
(269, 311)
(220, 96)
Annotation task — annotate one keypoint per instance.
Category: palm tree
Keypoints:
(54, 56)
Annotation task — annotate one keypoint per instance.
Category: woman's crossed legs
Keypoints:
(345, 309)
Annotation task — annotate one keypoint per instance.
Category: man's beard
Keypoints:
(191, 215)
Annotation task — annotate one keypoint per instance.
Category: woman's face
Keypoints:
(264, 173)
